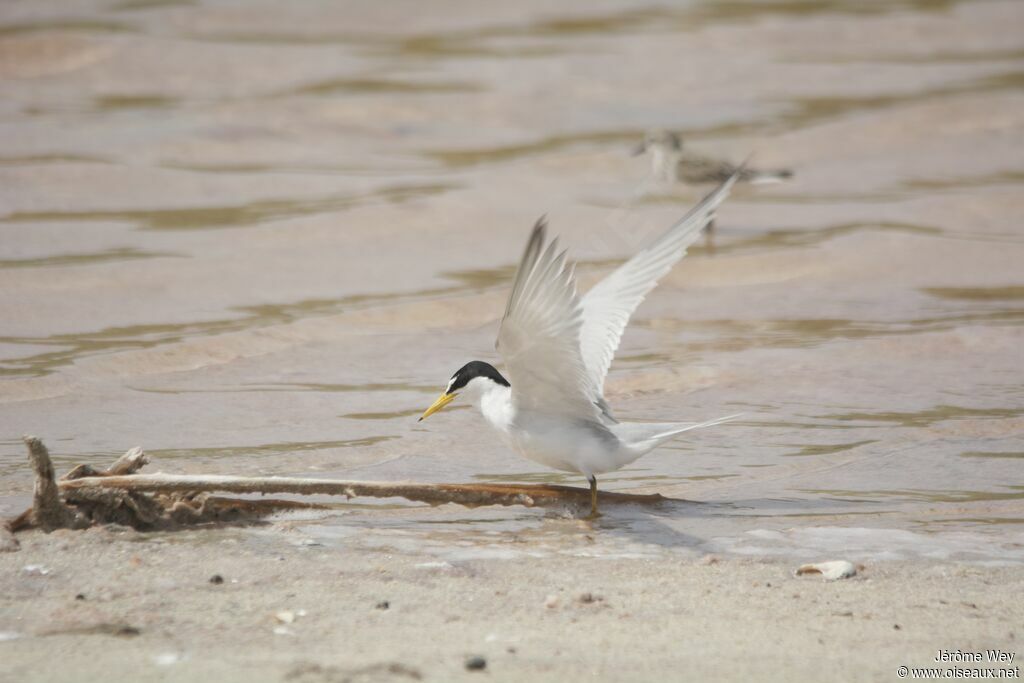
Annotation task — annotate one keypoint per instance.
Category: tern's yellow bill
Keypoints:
(441, 402)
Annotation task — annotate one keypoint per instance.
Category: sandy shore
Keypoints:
(291, 611)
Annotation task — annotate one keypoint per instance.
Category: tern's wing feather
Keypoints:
(539, 335)
(608, 307)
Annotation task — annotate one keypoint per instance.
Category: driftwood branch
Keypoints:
(119, 495)
(470, 495)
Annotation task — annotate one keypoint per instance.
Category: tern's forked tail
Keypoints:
(652, 434)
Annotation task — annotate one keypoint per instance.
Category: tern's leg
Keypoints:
(594, 514)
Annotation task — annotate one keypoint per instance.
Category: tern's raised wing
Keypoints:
(609, 305)
(539, 339)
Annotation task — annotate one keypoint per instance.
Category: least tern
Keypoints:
(557, 347)
(670, 162)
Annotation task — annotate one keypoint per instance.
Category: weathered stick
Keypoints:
(470, 495)
(119, 495)
(48, 511)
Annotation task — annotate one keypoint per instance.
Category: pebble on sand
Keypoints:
(476, 663)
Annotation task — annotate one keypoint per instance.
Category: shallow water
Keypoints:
(258, 238)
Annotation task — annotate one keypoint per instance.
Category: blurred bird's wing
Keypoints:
(608, 307)
(539, 339)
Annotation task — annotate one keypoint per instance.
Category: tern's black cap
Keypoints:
(473, 369)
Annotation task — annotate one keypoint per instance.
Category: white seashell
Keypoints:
(830, 571)
(435, 565)
(167, 659)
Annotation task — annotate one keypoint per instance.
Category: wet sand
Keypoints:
(257, 240)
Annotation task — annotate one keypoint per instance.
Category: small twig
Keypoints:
(470, 495)
(129, 463)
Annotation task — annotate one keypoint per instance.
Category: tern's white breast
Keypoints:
(566, 444)
(553, 440)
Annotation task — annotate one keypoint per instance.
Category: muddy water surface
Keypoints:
(258, 238)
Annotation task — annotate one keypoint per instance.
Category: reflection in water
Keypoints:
(930, 416)
(828, 449)
(454, 45)
(982, 53)
(90, 25)
(917, 495)
(984, 521)
(38, 159)
(121, 102)
(1011, 293)
(747, 10)
(651, 530)
(244, 215)
(392, 86)
(110, 255)
(384, 416)
(992, 454)
(709, 477)
(984, 180)
(134, 5)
